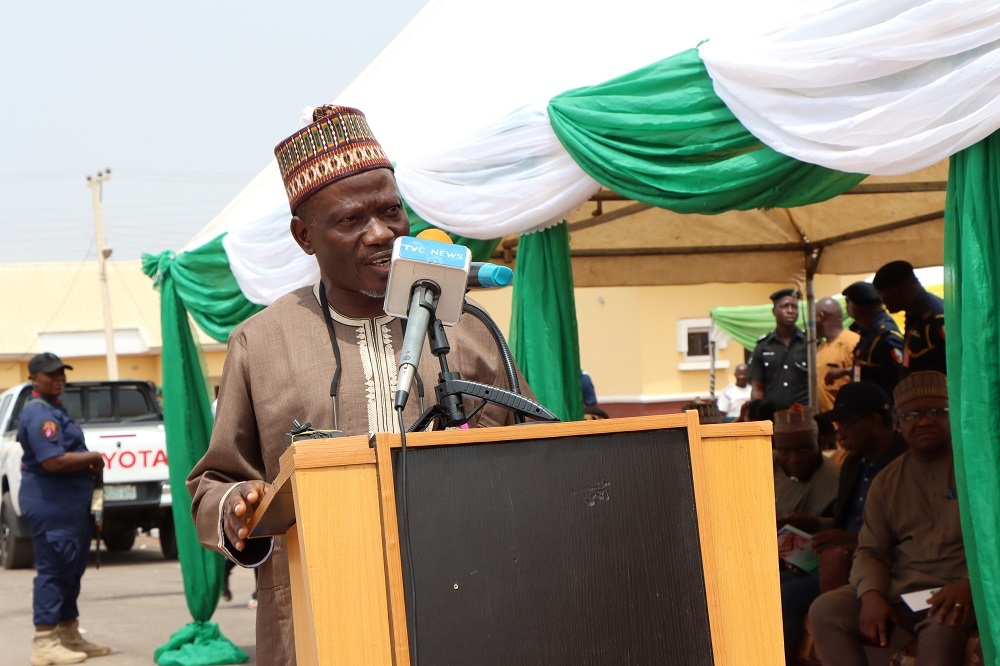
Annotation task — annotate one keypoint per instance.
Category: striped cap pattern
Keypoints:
(336, 145)
(925, 384)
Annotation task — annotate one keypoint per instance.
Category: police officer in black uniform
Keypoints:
(57, 483)
(923, 339)
(779, 365)
(878, 357)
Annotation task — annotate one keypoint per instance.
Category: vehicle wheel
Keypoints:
(168, 537)
(119, 540)
(15, 544)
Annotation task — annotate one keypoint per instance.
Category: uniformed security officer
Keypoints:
(779, 365)
(57, 482)
(923, 340)
(878, 357)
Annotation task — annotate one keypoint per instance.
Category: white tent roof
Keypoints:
(459, 65)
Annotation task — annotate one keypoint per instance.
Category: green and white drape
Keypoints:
(795, 116)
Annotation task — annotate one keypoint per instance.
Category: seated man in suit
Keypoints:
(863, 415)
(911, 541)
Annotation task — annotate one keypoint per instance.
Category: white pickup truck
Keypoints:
(123, 421)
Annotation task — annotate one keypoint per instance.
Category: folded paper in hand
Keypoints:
(919, 600)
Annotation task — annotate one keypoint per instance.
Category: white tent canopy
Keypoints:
(458, 101)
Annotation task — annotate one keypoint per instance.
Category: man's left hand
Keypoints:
(953, 603)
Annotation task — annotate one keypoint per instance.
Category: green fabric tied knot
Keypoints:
(198, 644)
(155, 266)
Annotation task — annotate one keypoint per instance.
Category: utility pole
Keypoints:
(103, 253)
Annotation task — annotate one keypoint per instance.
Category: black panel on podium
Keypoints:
(570, 551)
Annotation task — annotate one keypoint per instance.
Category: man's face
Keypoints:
(852, 309)
(925, 424)
(891, 299)
(741, 375)
(856, 434)
(786, 311)
(349, 226)
(49, 384)
(798, 453)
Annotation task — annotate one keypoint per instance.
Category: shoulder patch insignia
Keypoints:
(50, 429)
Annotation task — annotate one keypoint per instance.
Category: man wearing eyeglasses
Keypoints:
(911, 542)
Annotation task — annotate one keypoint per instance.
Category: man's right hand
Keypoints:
(875, 616)
(239, 508)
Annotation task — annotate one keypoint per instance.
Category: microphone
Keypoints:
(482, 275)
(488, 276)
(427, 279)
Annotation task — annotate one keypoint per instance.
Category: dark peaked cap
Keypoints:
(863, 293)
(781, 293)
(857, 398)
(46, 362)
(893, 273)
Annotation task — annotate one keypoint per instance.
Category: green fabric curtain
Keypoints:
(747, 323)
(543, 333)
(972, 316)
(660, 135)
(187, 418)
(206, 286)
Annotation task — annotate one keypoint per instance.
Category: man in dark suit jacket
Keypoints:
(862, 413)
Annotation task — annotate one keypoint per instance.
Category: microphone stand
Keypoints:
(450, 410)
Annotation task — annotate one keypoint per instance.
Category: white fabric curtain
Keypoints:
(867, 86)
(264, 259)
(512, 177)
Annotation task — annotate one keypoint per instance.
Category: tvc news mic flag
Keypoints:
(416, 260)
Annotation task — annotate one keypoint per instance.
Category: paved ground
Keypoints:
(133, 603)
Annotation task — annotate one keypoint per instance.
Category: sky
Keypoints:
(182, 101)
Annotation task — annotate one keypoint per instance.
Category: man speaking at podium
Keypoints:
(334, 369)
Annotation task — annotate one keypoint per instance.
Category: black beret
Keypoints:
(781, 293)
(892, 274)
(863, 293)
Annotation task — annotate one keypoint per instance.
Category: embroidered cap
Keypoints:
(46, 362)
(796, 418)
(926, 384)
(337, 144)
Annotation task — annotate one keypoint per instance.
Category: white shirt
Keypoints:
(732, 398)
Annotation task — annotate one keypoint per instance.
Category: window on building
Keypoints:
(698, 345)
(694, 339)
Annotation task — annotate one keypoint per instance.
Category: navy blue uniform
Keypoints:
(878, 356)
(784, 371)
(57, 508)
(924, 348)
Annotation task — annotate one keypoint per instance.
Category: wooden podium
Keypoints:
(624, 541)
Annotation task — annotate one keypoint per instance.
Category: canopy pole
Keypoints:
(812, 262)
